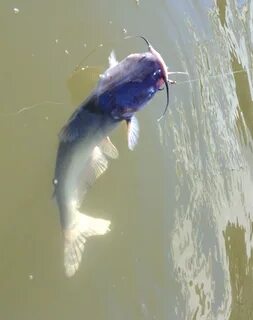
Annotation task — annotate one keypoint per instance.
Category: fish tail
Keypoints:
(75, 238)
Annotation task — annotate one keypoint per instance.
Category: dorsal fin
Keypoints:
(112, 60)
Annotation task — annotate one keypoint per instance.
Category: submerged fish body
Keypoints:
(81, 159)
(84, 145)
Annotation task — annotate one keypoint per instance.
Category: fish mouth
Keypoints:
(164, 74)
(164, 77)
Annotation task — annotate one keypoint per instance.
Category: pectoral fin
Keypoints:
(108, 148)
(132, 132)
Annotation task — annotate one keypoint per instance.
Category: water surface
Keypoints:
(181, 204)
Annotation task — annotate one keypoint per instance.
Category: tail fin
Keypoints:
(75, 238)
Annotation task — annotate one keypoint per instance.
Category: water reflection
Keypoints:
(240, 266)
(215, 175)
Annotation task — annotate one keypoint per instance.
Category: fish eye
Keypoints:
(157, 74)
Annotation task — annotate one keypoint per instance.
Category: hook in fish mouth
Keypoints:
(164, 69)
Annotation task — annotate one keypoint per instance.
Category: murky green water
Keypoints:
(181, 204)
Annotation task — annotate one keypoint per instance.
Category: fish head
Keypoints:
(127, 87)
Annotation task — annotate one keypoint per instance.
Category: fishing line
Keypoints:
(216, 76)
(24, 109)
(101, 45)
(28, 108)
(197, 80)
(87, 56)
(39, 104)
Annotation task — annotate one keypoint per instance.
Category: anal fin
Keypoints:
(98, 163)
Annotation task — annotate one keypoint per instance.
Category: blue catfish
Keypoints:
(84, 146)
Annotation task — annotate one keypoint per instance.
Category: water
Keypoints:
(180, 204)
